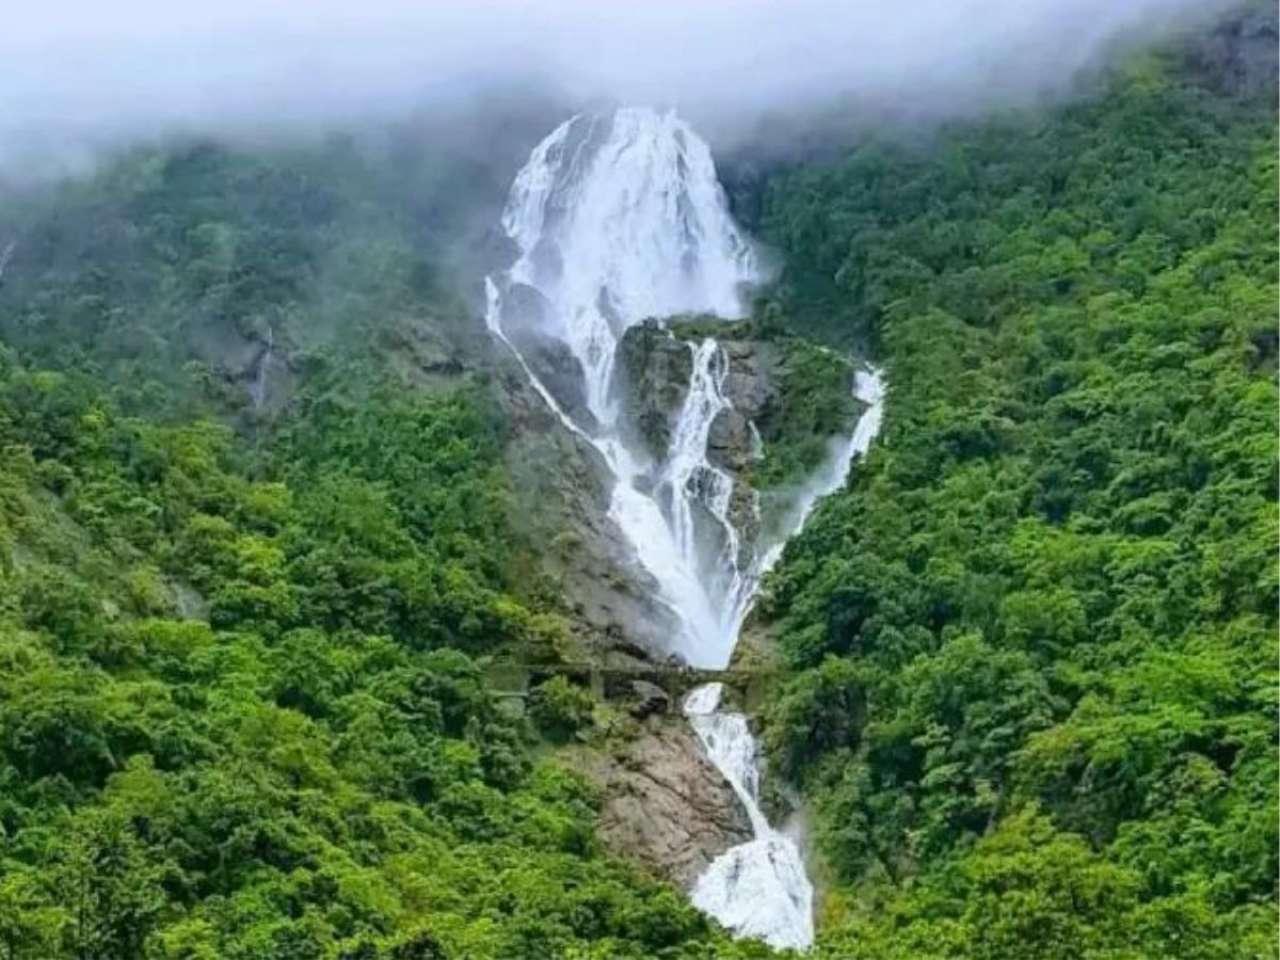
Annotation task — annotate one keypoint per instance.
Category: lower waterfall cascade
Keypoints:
(758, 888)
(617, 218)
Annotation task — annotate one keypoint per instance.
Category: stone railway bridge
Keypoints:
(514, 680)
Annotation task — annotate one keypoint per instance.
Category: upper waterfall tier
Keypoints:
(620, 217)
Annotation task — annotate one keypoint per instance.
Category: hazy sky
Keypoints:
(73, 71)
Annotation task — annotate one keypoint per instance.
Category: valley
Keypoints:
(545, 528)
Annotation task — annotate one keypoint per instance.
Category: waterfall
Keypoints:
(689, 482)
(868, 388)
(758, 888)
(258, 389)
(617, 218)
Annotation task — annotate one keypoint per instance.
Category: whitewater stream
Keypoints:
(619, 217)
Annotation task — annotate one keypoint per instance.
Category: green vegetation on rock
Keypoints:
(813, 405)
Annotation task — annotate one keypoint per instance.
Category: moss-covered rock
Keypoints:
(811, 402)
(651, 380)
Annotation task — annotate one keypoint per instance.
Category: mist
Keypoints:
(79, 76)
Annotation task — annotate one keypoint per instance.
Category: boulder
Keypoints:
(663, 802)
(649, 699)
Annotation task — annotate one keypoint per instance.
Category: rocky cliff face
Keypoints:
(651, 382)
(664, 804)
(734, 443)
(524, 312)
(752, 386)
(1241, 54)
(562, 489)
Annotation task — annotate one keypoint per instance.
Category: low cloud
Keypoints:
(80, 75)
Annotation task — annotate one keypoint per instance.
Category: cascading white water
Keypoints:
(617, 218)
(758, 888)
(620, 217)
(869, 389)
(258, 389)
(688, 482)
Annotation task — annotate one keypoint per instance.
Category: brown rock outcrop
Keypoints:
(665, 805)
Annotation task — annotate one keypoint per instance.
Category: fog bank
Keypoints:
(80, 75)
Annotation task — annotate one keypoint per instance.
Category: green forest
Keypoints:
(1030, 689)
(1034, 641)
(241, 710)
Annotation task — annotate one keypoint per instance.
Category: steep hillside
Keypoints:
(198, 278)
(272, 501)
(255, 534)
(1034, 640)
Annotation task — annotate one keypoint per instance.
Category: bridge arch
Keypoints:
(516, 680)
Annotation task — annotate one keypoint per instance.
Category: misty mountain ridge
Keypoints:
(947, 370)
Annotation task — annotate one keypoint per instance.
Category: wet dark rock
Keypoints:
(1241, 55)
(651, 380)
(562, 488)
(649, 699)
(524, 318)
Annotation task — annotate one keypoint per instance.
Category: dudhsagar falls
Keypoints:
(617, 219)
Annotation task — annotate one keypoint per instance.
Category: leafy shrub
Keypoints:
(560, 708)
